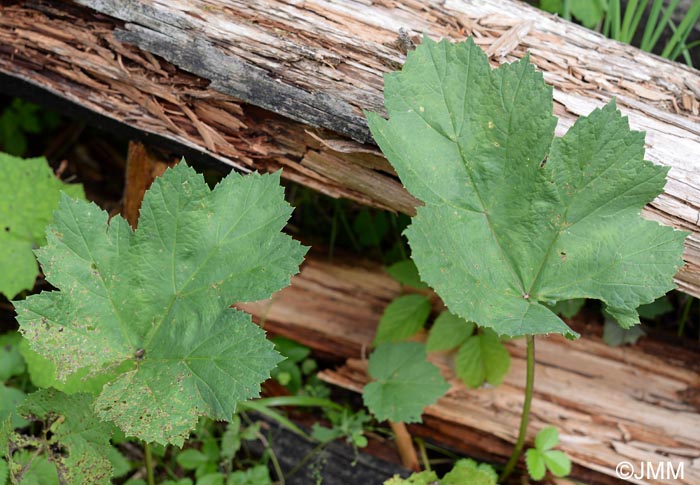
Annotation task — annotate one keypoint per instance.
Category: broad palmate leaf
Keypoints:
(158, 298)
(515, 219)
(29, 193)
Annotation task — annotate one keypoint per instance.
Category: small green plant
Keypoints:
(480, 354)
(298, 372)
(404, 382)
(148, 311)
(344, 424)
(24, 215)
(515, 220)
(542, 457)
(464, 471)
(213, 462)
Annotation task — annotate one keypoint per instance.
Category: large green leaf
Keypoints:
(157, 299)
(514, 219)
(404, 382)
(71, 438)
(29, 193)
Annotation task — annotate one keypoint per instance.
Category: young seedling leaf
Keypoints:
(31, 194)
(157, 299)
(426, 477)
(547, 438)
(464, 471)
(74, 441)
(558, 463)
(542, 457)
(402, 318)
(483, 357)
(469, 471)
(534, 460)
(404, 382)
(449, 332)
(514, 219)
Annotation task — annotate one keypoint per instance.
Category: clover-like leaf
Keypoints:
(558, 463)
(404, 382)
(514, 219)
(31, 193)
(156, 300)
(534, 460)
(73, 441)
(542, 457)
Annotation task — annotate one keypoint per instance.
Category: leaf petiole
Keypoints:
(524, 418)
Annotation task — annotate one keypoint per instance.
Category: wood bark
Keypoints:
(634, 404)
(276, 84)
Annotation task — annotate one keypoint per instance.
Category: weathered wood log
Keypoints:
(313, 67)
(610, 404)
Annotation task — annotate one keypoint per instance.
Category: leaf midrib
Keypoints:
(176, 294)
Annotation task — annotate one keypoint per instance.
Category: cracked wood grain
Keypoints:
(609, 403)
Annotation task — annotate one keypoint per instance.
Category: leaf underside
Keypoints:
(515, 219)
(154, 303)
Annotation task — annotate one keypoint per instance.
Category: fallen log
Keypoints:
(268, 85)
(610, 404)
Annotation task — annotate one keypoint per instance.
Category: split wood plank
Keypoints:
(610, 404)
(197, 73)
